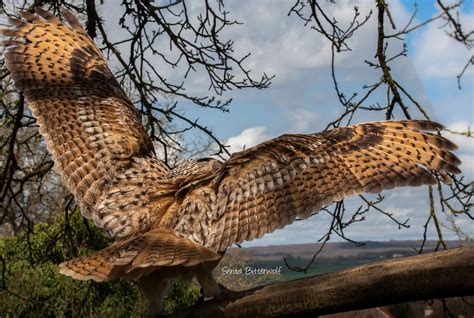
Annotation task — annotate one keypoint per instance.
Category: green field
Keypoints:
(319, 267)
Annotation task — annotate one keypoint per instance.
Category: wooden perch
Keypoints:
(436, 275)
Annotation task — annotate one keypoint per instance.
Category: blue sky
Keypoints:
(301, 98)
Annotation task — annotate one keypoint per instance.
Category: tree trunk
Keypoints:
(436, 275)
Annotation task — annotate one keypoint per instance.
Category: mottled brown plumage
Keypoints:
(178, 222)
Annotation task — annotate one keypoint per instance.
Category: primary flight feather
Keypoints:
(178, 222)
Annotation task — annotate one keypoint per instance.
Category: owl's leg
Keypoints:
(209, 285)
(154, 287)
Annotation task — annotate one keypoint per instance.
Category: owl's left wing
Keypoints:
(91, 128)
(268, 186)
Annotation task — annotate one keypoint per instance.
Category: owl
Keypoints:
(177, 223)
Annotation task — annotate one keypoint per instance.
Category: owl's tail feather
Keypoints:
(137, 256)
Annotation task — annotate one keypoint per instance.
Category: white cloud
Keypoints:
(465, 143)
(279, 44)
(461, 126)
(438, 55)
(247, 138)
(467, 165)
(302, 121)
(299, 121)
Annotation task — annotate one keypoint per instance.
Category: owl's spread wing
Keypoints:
(268, 186)
(90, 126)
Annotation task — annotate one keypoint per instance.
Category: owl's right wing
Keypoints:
(268, 186)
(90, 126)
